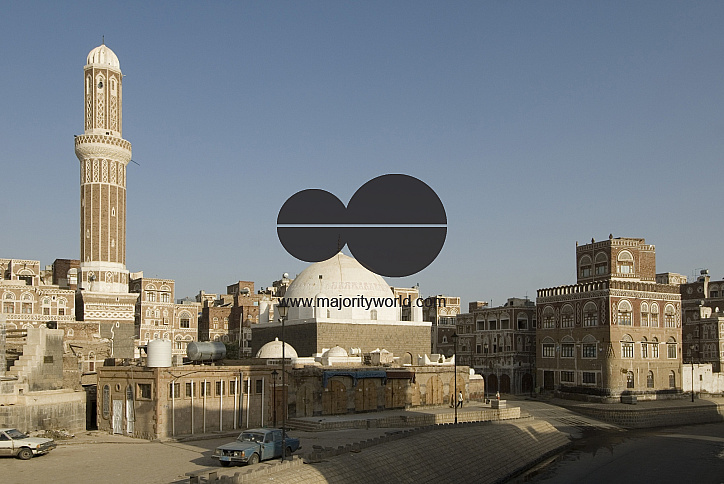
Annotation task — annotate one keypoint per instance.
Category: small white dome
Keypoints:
(103, 56)
(273, 349)
(336, 351)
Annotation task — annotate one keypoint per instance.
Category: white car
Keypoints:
(15, 443)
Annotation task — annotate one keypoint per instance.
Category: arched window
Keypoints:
(567, 316)
(654, 316)
(548, 348)
(589, 347)
(568, 347)
(650, 379)
(629, 379)
(590, 314)
(601, 264)
(185, 320)
(672, 379)
(714, 290)
(549, 318)
(654, 347)
(644, 314)
(644, 347)
(624, 313)
(627, 347)
(625, 262)
(671, 348)
(669, 316)
(586, 269)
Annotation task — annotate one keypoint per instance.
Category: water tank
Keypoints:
(205, 350)
(159, 353)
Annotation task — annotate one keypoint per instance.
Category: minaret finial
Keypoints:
(103, 40)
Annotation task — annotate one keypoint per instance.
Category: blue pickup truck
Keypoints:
(255, 445)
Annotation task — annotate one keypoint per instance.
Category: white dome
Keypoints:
(103, 56)
(273, 349)
(336, 351)
(338, 277)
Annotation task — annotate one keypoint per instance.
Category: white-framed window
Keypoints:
(624, 313)
(671, 348)
(549, 318)
(655, 348)
(644, 314)
(654, 316)
(589, 350)
(669, 316)
(549, 350)
(625, 262)
(590, 314)
(644, 348)
(568, 376)
(650, 379)
(627, 347)
(568, 348)
(567, 316)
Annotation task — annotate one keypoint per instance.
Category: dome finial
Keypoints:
(103, 40)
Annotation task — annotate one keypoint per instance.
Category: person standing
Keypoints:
(460, 400)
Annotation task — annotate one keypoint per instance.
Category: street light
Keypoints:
(455, 377)
(274, 374)
(283, 311)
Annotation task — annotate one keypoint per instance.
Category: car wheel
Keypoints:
(25, 453)
(225, 464)
(254, 459)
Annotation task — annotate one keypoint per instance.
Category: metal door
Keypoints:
(130, 414)
(117, 416)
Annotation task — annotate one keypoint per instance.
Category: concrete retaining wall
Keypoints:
(636, 418)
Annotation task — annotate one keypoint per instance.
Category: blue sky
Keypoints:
(538, 124)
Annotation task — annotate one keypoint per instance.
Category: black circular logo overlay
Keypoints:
(394, 225)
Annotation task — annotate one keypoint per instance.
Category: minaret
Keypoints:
(103, 302)
(103, 156)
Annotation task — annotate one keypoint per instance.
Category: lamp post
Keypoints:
(274, 374)
(283, 311)
(455, 377)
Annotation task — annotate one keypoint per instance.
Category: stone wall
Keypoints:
(48, 410)
(647, 417)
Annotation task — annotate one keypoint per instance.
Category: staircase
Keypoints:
(303, 425)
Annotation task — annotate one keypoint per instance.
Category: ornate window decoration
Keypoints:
(590, 314)
(654, 316)
(567, 316)
(590, 347)
(586, 266)
(627, 347)
(549, 318)
(644, 314)
(601, 264)
(625, 262)
(669, 316)
(549, 348)
(624, 313)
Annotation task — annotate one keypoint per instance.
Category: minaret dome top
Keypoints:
(103, 56)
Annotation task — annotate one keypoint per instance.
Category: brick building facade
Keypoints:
(499, 343)
(616, 332)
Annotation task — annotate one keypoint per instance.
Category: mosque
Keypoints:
(340, 303)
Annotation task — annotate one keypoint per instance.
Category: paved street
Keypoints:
(118, 460)
(565, 420)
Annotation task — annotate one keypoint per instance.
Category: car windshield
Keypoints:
(251, 437)
(16, 434)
